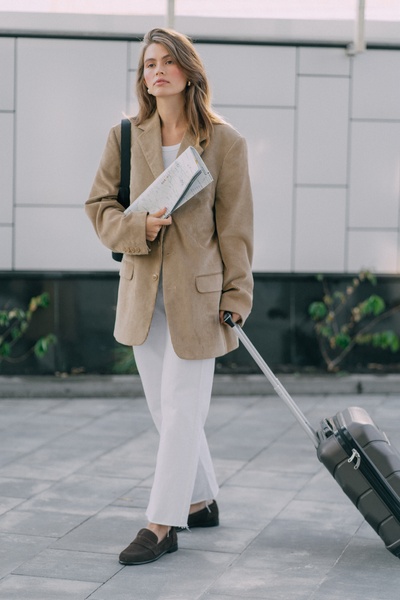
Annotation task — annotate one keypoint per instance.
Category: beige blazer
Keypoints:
(204, 256)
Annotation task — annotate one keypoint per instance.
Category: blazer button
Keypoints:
(155, 277)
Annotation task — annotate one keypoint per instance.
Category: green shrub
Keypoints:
(342, 323)
(14, 324)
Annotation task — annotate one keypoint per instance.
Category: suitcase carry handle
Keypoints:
(276, 384)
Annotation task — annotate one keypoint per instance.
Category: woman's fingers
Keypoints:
(154, 222)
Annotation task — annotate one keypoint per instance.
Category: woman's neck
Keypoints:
(173, 122)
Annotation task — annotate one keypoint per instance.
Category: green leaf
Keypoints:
(317, 311)
(15, 333)
(43, 344)
(374, 305)
(342, 340)
(4, 320)
(41, 301)
(387, 340)
(5, 349)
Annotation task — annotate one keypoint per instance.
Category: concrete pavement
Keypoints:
(75, 475)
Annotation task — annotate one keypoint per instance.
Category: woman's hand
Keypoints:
(235, 317)
(154, 222)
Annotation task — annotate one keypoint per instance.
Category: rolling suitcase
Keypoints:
(356, 453)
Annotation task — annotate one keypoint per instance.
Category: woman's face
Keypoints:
(162, 75)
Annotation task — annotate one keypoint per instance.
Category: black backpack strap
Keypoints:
(124, 192)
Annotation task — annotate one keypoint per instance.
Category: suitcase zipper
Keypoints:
(375, 479)
(355, 455)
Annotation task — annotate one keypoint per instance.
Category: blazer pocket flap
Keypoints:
(126, 271)
(209, 283)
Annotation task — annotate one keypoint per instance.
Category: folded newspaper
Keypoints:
(184, 178)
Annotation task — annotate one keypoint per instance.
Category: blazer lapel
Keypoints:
(150, 143)
(190, 140)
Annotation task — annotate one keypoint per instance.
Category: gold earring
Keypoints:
(189, 83)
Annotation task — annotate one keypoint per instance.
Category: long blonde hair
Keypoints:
(199, 114)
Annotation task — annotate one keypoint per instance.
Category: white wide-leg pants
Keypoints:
(178, 394)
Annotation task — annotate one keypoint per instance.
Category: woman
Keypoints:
(178, 276)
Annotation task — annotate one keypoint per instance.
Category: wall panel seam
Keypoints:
(259, 106)
(294, 167)
(14, 161)
(373, 120)
(374, 229)
(348, 169)
(323, 76)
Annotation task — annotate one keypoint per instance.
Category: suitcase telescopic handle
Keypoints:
(276, 384)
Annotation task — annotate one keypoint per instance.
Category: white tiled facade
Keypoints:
(323, 131)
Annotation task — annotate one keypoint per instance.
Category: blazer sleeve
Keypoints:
(120, 233)
(234, 222)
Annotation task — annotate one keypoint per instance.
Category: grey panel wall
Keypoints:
(69, 92)
(322, 129)
(7, 72)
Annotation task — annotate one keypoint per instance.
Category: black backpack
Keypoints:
(124, 191)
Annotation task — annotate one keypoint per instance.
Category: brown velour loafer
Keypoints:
(146, 548)
(206, 517)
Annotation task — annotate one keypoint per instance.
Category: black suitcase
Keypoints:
(356, 453)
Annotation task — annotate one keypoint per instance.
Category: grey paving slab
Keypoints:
(313, 513)
(79, 494)
(225, 409)
(270, 480)
(235, 442)
(222, 539)
(284, 562)
(71, 498)
(208, 596)
(350, 578)
(16, 549)
(48, 463)
(28, 434)
(16, 410)
(7, 503)
(366, 531)
(226, 468)
(91, 407)
(20, 587)
(22, 488)
(287, 455)
(270, 581)
(179, 576)
(107, 532)
(323, 488)
(251, 508)
(40, 523)
(61, 457)
(123, 422)
(132, 459)
(8, 456)
(72, 565)
(138, 497)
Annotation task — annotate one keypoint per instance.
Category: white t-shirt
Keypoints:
(169, 154)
